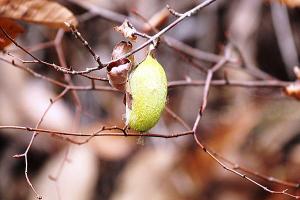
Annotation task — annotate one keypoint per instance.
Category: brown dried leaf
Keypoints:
(121, 49)
(44, 12)
(12, 28)
(117, 72)
(127, 30)
(293, 90)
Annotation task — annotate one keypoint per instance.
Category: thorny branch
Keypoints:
(220, 61)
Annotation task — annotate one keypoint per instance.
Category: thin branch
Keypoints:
(75, 98)
(34, 134)
(209, 75)
(98, 133)
(172, 84)
(232, 83)
(171, 42)
(177, 118)
(236, 166)
(175, 48)
(55, 66)
(152, 39)
(173, 12)
(213, 154)
(33, 73)
(166, 29)
(78, 35)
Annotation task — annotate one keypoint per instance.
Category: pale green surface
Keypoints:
(148, 85)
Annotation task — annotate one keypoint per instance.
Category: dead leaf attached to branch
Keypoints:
(127, 30)
(117, 72)
(44, 12)
(12, 28)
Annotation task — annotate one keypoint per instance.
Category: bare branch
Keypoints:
(78, 35)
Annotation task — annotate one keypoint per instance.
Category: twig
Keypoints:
(233, 83)
(177, 118)
(172, 84)
(173, 12)
(25, 154)
(166, 29)
(78, 35)
(55, 66)
(59, 171)
(234, 165)
(209, 75)
(175, 48)
(75, 98)
(152, 39)
(99, 132)
(213, 154)
(171, 42)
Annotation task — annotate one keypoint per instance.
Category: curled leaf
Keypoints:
(117, 72)
(121, 49)
(44, 12)
(12, 28)
(293, 90)
(127, 30)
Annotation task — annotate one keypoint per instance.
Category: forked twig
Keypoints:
(34, 135)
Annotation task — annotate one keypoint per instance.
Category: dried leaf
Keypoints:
(121, 49)
(44, 12)
(117, 72)
(127, 30)
(12, 28)
(293, 90)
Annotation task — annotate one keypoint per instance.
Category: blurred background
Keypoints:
(255, 127)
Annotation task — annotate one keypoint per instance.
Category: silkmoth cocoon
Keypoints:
(146, 95)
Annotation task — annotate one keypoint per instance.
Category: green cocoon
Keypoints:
(148, 88)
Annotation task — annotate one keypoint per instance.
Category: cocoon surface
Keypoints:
(148, 94)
